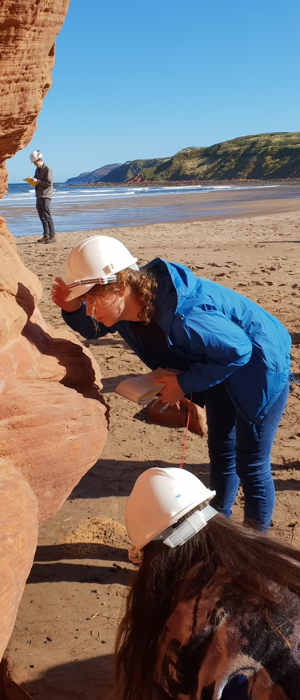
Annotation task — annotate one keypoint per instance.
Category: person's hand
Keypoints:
(170, 392)
(33, 179)
(59, 293)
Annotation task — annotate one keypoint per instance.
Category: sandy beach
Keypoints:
(62, 645)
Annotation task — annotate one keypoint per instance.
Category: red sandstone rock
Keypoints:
(27, 32)
(18, 508)
(176, 416)
(52, 434)
(52, 416)
(20, 290)
(52, 422)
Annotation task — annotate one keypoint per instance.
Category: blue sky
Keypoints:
(141, 79)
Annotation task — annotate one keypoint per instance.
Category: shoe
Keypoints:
(45, 239)
(52, 239)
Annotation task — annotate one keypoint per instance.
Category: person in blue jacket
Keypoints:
(230, 354)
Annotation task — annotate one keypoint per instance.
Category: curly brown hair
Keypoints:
(142, 284)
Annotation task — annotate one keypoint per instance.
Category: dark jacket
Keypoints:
(210, 333)
(44, 187)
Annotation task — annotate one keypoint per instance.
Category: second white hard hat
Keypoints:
(160, 497)
(35, 155)
(96, 260)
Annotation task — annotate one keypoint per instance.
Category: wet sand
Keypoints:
(91, 209)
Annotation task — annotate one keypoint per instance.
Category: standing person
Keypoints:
(214, 610)
(230, 353)
(43, 179)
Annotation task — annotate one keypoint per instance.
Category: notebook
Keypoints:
(142, 389)
(29, 180)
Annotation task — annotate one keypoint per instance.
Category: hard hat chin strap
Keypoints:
(181, 534)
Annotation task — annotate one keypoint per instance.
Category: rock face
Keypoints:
(52, 423)
(19, 526)
(177, 416)
(27, 32)
(52, 417)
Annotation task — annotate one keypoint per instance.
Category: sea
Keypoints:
(89, 208)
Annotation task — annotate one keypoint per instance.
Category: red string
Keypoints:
(185, 434)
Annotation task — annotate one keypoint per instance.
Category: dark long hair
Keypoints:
(260, 570)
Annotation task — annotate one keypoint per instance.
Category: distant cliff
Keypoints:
(133, 168)
(260, 157)
(94, 176)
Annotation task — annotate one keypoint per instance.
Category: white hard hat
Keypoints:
(160, 497)
(35, 155)
(96, 260)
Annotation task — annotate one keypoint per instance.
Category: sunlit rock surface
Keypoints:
(27, 32)
(178, 416)
(52, 422)
(52, 417)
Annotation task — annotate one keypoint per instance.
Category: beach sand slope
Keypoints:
(63, 641)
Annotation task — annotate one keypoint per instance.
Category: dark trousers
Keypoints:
(43, 209)
(240, 453)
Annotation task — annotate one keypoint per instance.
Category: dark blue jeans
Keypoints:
(241, 452)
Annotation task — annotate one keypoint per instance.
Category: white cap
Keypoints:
(96, 260)
(160, 497)
(35, 155)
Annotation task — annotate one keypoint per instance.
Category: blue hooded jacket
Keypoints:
(211, 334)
